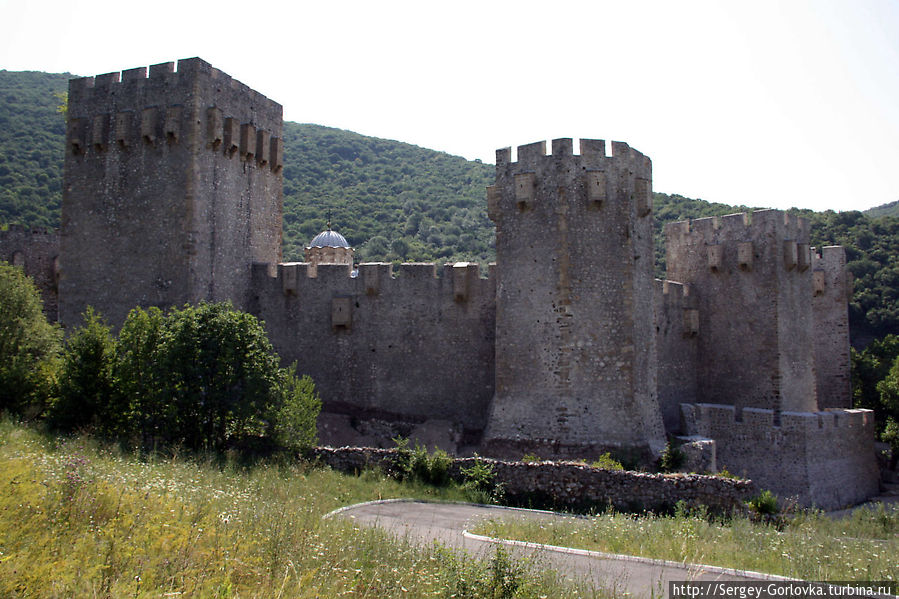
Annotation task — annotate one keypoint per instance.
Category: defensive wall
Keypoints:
(409, 346)
(37, 252)
(825, 459)
(751, 278)
(571, 484)
(172, 189)
(173, 192)
(677, 339)
(575, 340)
(830, 308)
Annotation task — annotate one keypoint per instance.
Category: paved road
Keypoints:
(448, 522)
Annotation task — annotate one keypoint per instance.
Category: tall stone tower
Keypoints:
(172, 189)
(575, 337)
(751, 277)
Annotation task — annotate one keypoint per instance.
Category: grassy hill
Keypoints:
(397, 201)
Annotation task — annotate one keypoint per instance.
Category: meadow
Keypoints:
(806, 544)
(82, 519)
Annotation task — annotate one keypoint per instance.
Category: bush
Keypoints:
(891, 436)
(764, 504)
(294, 422)
(480, 483)
(85, 388)
(417, 464)
(607, 462)
(29, 345)
(672, 459)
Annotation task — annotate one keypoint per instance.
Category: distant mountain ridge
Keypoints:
(396, 201)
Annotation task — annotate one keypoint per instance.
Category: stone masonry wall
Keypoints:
(750, 276)
(411, 347)
(570, 484)
(37, 252)
(823, 459)
(831, 292)
(575, 345)
(172, 189)
(677, 334)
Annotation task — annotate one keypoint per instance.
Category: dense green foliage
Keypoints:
(203, 377)
(31, 147)
(870, 367)
(28, 344)
(390, 200)
(872, 253)
(890, 209)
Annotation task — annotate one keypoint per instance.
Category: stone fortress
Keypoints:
(568, 347)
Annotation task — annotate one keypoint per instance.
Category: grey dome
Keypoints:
(329, 239)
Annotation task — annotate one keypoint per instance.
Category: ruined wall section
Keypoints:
(751, 277)
(830, 308)
(411, 346)
(576, 345)
(172, 189)
(677, 340)
(37, 252)
(825, 459)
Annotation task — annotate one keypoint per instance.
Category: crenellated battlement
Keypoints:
(742, 226)
(196, 105)
(736, 242)
(599, 182)
(699, 418)
(592, 154)
(162, 75)
(462, 279)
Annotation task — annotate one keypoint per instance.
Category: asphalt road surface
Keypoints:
(425, 522)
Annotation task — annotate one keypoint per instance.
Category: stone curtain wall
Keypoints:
(677, 338)
(823, 459)
(832, 290)
(409, 346)
(37, 252)
(573, 485)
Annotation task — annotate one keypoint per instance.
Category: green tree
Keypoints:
(400, 247)
(294, 420)
(140, 381)
(870, 368)
(29, 345)
(889, 394)
(221, 375)
(207, 377)
(85, 389)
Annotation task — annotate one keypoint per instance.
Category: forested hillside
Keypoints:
(31, 147)
(396, 201)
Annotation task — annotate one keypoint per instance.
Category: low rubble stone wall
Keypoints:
(570, 484)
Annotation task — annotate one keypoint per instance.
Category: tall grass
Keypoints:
(82, 520)
(811, 546)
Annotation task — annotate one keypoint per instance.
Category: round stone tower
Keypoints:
(575, 334)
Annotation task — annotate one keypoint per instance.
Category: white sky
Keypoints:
(766, 102)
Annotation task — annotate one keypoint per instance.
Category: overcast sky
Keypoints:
(774, 103)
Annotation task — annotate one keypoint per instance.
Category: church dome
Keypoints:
(329, 239)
